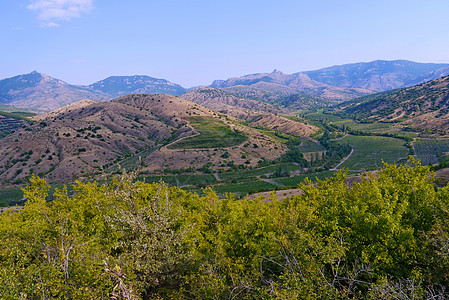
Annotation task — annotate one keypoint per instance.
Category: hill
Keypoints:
(255, 112)
(424, 107)
(275, 85)
(87, 136)
(228, 103)
(379, 75)
(116, 86)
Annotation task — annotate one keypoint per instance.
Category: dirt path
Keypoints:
(344, 159)
(217, 177)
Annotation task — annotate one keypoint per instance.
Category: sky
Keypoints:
(193, 42)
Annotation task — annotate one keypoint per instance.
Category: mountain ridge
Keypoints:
(379, 75)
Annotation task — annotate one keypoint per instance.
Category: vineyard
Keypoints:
(428, 151)
(370, 151)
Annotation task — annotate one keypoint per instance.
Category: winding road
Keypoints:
(344, 159)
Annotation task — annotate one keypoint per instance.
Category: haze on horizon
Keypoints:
(194, 42)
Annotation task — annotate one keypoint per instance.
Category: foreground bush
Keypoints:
(385, 237)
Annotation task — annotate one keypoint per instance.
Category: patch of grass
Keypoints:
(213, 134)
(18, 115)
(132, 162)
(11, 196)
(370, 151)
(429, 150)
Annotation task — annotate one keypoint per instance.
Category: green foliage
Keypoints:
(386, 235)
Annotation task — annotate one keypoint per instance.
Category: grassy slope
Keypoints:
(213, 133)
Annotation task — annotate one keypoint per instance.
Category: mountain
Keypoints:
(116, 86)
(164, 131)
(39, 91)
(379, 75)
(276, 85)
(424, 107)
(42, 92)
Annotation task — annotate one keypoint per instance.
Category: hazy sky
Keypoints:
(192, 42)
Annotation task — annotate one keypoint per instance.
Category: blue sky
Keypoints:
(192, 42)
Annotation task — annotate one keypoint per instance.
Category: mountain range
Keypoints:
(379, 75)
(42, 92)
(300, 90)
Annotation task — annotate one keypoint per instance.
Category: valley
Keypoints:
(220, 137)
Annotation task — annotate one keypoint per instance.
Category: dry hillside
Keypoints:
(88, 137)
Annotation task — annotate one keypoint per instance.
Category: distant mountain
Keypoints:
(39, 91)
(42, 92)
(424, 107)
(276, 85)
(379, 75)
(117, 86)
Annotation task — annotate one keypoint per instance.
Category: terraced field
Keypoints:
(429, 150)
(370, 151)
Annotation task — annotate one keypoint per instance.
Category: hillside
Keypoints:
(305, 102)
(227, 103)
(255, 113)
(116, 86)
(275, 85)
(379, 75)
(88, 136)
(423, 107)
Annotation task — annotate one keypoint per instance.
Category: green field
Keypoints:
(213, 134)
(241, 189)
(182, 180)
(429, 150)
(13, 195)
(368, 127)
(258, 172)
(292, 182)
(10, 196)
(370, 151)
